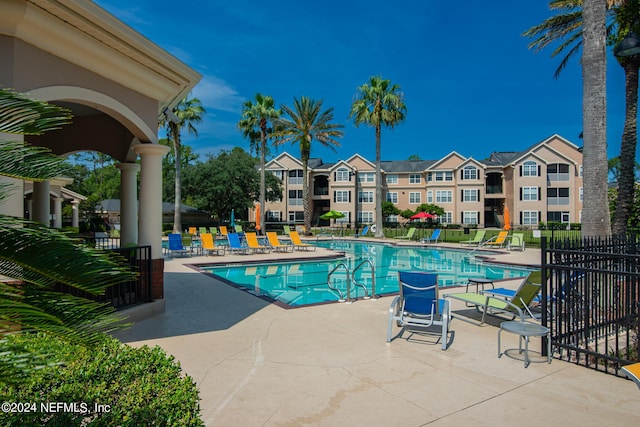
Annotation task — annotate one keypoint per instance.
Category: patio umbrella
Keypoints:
(332, 215)
(507, 218)
(233, 218)
(423, 215)
(258, 217)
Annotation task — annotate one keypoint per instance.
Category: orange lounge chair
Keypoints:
(499, 241)
(253, 244)
(275, 243)
(297, 243)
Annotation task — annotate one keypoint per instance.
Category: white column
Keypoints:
(150, 215)
(30, 208)
(75, 217)
(41, 208)
(129, 202)
(57, 212)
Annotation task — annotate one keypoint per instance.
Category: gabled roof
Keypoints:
(445, 158)
(399, 166)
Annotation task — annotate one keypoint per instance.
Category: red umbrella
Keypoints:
(424, 215)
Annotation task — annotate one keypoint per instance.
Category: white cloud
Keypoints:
(216, 94)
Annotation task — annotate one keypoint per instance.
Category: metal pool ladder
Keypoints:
(335, 289)
(373, 279)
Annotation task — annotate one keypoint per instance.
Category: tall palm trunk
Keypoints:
(595, 214)
(177, 218)
(305, 192)
(263, 185)
(626, 181)
(379, 224)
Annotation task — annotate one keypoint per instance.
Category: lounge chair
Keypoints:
(176, 245)
(275, 243)
(363, 233)
(632, 372)
(286, 229)
(202, 230)
(239, 230)
(209, 245)
(223, 230)
(235, 247)
(477, 239)
(253, 244)
(500, 240)
(193, 231)
(297, 243)
(435, 235)
(214, 231)
(418, 306)
(486, 303)
(409, 234)
(516, 242)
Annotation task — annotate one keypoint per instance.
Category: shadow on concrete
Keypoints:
(195, 303)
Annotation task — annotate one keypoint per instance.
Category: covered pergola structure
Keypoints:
(116, 83)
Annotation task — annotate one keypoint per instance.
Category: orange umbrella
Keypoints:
(507, 218)
(258, 217)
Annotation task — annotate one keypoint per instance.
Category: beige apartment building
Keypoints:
(542, 183)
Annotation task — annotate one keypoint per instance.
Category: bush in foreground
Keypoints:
(131, 386)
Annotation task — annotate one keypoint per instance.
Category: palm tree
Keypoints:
(186, 113)
(567, 29)
(378, 103)
(254, 125)
(307, 122)
(34, 257)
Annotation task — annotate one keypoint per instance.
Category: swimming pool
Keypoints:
(305, 283)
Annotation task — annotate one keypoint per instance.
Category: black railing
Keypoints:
(590, 302)
(124, 294)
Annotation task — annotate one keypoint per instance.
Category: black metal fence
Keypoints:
(591, 302)
(124, 294)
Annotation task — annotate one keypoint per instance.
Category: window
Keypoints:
(558, 172)
(529, 168)
(414, 178)
(273, 215)
(444, 196)
(392, 179)
(414, 198)
(365, 177)
(295, 197)
(392, 197)
(429, 176)
(471, 195)
(562, 217)
(529, 217)
(444, 176)
(469, 217)
(580, 171)
(296, 216)
(342, 175)
(365, 217)
(295, 176)
(557, 196)
(529, 193)
(469, 173)
(365, 196)
(581, 194)
(342, 196)
(446, 218)
(279, 174)
(345, 219)
(392, 218)
(429, 196)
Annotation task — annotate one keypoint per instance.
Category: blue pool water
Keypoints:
(304, 283)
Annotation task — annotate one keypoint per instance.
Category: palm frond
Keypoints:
(21, 115)
(22, 161)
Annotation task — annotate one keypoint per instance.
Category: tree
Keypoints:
(378, 103)
(570, 30)
(186, 113)
(254, 125)
(187, 159)
(34, 258)
(307, 122)
(228, 181)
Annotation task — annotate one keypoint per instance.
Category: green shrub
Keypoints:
(139, 386)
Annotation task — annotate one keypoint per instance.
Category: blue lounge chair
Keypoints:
(364, 232)
(176, 246)
(235, 247)
(418, 306)
(435, 235)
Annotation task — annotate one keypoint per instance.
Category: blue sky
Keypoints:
(470, 83)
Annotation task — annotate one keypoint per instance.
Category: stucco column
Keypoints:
(75, 215)
(30, 209)
(129, 202)
(41, 207)
(57, 212)
(150, 215)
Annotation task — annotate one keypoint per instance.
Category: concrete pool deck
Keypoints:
(257, 364)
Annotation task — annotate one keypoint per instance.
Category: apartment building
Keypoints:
(539, 184)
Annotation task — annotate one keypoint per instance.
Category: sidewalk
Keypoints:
(329, 365)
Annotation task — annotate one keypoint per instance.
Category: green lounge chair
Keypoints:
(477, 239)
(517, 305)
(409, 234)
(516, 242)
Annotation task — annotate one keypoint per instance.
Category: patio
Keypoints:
(259, 364)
